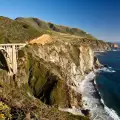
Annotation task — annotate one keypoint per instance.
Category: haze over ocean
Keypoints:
(101, 18)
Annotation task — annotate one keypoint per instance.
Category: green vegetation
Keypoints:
(12, 31)
(21, 30)
(41, 84)
(45, 85)
(47, 26)
(17, 103)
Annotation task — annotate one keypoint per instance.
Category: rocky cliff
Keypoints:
(113, 45)
(57, 65)
(48, 72)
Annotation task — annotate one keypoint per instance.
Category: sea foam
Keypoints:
(106, 69)
(108, 110)
(88, 89)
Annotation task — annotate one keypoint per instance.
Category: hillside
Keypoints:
(44, 82)
(23, 30)
(42, 25)
(50, 70)
(12, 31)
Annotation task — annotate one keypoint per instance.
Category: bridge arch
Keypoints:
(8, 53)
(5, 61)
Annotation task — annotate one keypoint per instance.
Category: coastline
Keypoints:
(91, 99)
(109, 111)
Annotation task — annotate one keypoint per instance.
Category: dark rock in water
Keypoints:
(105, 65)
(85, 112)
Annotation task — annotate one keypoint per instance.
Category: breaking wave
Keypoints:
(92, 99)
(108, 110)
(106, 69)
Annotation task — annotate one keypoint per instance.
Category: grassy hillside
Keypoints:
(12, 31)
(42, 25)
(25, 29)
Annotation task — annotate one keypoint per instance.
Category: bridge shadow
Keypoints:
(3, 62)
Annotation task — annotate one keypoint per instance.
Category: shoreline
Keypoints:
(91, 99)
(96, 105)
(109, 111)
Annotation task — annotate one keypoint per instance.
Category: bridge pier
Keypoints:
(11, 55)
(14, 60)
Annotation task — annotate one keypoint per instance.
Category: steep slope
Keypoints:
(48, 71)
(42, 25)
(25, 29)
(45, 38)
(45, 80)
(12, 31)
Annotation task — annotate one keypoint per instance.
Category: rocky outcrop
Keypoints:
(96, 45)
(52, 69)
(116, 46)
(47, 72)
(113, 45)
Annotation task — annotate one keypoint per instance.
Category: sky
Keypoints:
(101, 18)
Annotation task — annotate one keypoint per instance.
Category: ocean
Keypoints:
(108, 81)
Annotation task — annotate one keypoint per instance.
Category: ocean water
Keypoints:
(108, 82)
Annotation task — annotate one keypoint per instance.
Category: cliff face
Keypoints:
(46, 72)
(113, 45)
(51, 70)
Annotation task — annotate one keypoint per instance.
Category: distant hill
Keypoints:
(23, 30)
(12, 31)
(47, 26)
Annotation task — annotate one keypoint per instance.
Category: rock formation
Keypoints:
(48, 69)
(52, 69)
(113, 45)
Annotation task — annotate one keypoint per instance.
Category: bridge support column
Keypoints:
(14, 60)
(10, 54)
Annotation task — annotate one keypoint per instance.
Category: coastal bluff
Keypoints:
(55, 59)
(46, 75)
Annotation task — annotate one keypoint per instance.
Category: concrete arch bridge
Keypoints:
(8, 56)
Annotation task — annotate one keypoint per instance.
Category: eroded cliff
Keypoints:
(48, 72)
